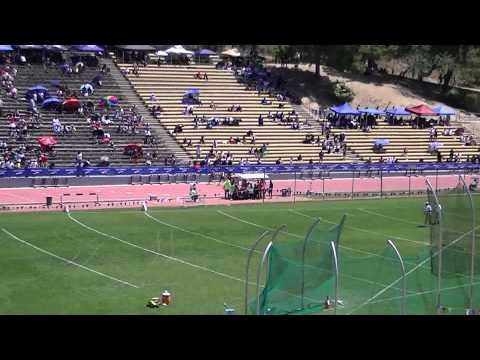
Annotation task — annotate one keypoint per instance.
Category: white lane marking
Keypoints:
(364, 230)
(388, 217)
(298, 236)
(195, 233)
(66, 260)
(155, 252)
(411, 270)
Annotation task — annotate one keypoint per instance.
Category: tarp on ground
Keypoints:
(443, 110)
(397, 111)
(422, 110)
(6, 48)
(136, 47)
(345, 109)
(178, 50)
(371, 111)
(88, 48)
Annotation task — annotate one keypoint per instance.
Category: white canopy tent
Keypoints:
(232, 52)
(178, 50)
(252, 176)
(161, 53)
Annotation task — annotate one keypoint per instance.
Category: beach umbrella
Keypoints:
(71, 103)
(382, 142)
(46, 141)
(51, 101)
(38, 88)
(86, 87)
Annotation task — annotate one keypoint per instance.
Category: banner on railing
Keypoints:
(268, 169)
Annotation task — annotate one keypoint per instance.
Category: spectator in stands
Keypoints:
(265, 101)
(279, 161)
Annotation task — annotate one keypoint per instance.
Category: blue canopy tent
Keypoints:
(30, 47)
(399, 111)
(51, 101)
(6, 48)
(205, 52)
(443, 110)
(88, 48)
(345, 109)
(371, 111)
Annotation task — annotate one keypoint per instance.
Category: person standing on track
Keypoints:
(427, 210)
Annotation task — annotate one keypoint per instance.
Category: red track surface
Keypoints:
(83, 197)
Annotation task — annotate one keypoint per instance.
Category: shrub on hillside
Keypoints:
(472, 102)
(342, 92)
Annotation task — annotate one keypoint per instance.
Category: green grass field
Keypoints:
(112, 262)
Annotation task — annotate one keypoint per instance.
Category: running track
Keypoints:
(82, 197)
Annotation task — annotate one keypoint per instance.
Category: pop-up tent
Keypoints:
(371, 111)
(56, 48)
(421, 110)
(88, 48)
(345, 109)
(443, 110)
(397, 111)
(30, 47)
(232, 53)
(178, 50)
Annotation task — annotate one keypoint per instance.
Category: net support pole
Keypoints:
(409, 183)
(381, 181)
(335, 268)
(259, 272)
(249, 258)
(472, 246)
(294, 187)
(440, 243)
(304, 249)
(404, 279)
(353, 182)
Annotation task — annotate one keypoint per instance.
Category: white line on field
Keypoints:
(155, 252)
(364, 230)
(298, 236)
(195, 233)
(66, 260)
(171, 257)
(423, 293)
(412, 270)
(388, 217)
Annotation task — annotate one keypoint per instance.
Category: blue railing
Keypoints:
(269, 169)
